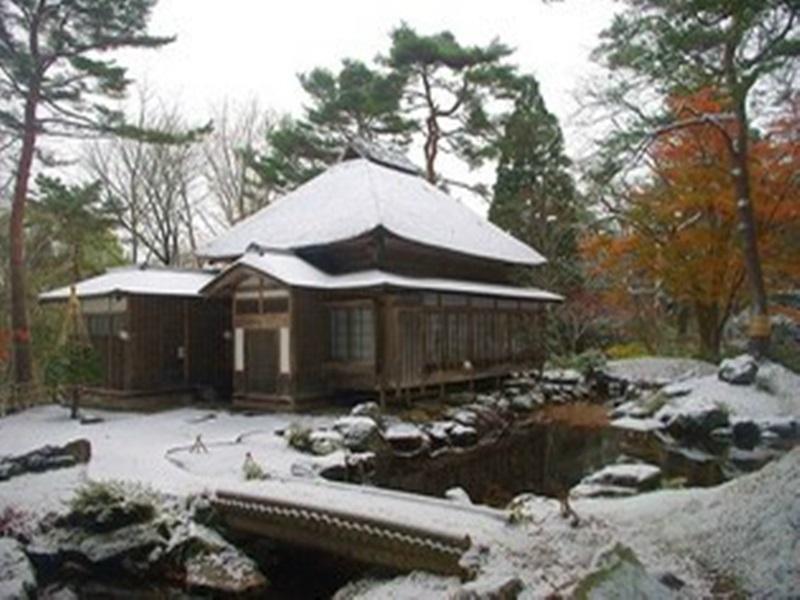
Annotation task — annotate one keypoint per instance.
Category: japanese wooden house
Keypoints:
(366, 279)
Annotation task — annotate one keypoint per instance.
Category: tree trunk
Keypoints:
(708, 330)
(21, 338)
(759, 324)
(740, 173)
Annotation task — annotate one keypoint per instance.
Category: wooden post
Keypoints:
(186, 333)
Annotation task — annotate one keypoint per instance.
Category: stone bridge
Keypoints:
(392, 529)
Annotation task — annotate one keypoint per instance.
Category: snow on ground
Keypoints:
(153, 449)
(747, 529)
(775, 393)
(745, 532)
(659, 369)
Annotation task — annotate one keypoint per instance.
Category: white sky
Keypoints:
(243, 49)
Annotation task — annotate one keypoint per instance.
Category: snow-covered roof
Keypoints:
(380, 154)
(140, 280)
(291, 270)
(357, 196)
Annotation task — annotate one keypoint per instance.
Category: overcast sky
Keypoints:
(240, 49)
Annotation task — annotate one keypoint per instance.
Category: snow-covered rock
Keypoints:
(618, 573)
(226, 572)
(458, 494)
(367, 409)
(652, 371)
(323, 442)
(17, 578)
(741, 370)
(463, 436)
(692, 416)
(498, 587)
(636, 476)
(594, 490)
(406, 438)
(565, 376)
(784, 427)
(360, 433)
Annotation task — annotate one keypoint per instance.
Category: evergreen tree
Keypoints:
(449, 95)
(356, 102)
(53, 80)
(448, 92)
(534, 194)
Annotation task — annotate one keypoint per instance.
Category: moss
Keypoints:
(607, 565)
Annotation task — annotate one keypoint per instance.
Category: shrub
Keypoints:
(629, 350)
(108, 505)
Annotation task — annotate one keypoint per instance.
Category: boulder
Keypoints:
(405, 438)
(458, 495)
(523, 403)
(741, 370)
(746, 434)
(359, 433)
(636, 476)
(463, 436)
(617, 573)
(17, 578)
(696, 419)
(499, 587)
(787, 428)
(226, 572)
(593, 490)
(323, 442)
(367, 409)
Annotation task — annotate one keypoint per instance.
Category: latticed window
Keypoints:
(352, 331)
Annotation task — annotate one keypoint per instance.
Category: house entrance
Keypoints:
(262, 360)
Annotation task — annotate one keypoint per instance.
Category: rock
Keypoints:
(592, 490)
(751, 459)
(746, 434)
(671, 580)
(500, 587)
(439, 433)
(135, 542)
(637, 476)
(523, 403)
(463, 436)
(17, 578)
(405, 438)
(359, 433)
(298, 437)
(677, 389)
(632, 408)
(323, 442)
(617, 573)
(564, 376)
(722, 433)
(697, 420)
(459, 495)
(367, 409)
(741, 370)
(46, 458)
(787, 428)
(464, 417)
(91, 420)
(224, 572)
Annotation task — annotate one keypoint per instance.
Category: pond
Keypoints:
(553, 450)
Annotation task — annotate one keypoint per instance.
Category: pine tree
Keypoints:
(53, 80)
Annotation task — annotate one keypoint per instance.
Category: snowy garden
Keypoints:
(632, 530)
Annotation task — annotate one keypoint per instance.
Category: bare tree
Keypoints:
(152, 189)
(239, 132)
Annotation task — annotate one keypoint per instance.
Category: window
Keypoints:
(352, 331)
